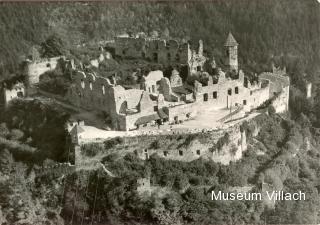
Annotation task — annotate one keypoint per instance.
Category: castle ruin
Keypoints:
(162, 100)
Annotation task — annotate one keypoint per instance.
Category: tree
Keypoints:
(166, 33)
(4, 131)
(53, 46)
(271, 110)
(6, 161)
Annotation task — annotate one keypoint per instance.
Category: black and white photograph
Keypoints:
(160, 112)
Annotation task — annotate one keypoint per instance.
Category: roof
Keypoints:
(284, 80)
(174, 73)
(230, 42)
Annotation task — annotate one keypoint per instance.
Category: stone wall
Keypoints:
(193, 151)
(133, 107)
(143, 186)
(158, 50)
(17, 91)
(35, 68)
(229, 152)
(97, 93)
(182, 112)
(90, 91)
(130, 47)
(232, 151)
(57, 170)
(151, 82)
(279, 88)
(230, 93)
(281, 103)
(309, 90)
(167, 52)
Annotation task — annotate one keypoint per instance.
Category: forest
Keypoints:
(286, 29)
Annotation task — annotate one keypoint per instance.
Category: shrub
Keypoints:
(271, 110)
(91, 149)
(155, 144)
(108, 144)
(222, 141)
(16, 134)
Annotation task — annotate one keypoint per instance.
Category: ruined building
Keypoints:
(34, 68)
(166, 52)
(163, 100)
(231, 46)
(11, 92)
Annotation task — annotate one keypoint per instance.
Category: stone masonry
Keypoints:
(168, 100)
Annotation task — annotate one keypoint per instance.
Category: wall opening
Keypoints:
(177, 57)
(165, 153)
(155, 108)
(205, 97)
(198, 152)
(180, 152)
(123, 107)
(244, 102)
(20, 94)
(90, 85)
(169, 57)
(146, 154)
(82, 83)
(214, 95)
(198, 68)
(229, 91)
(184, 72)
(155, 57)
(246, 82)
(236, 90)
(103, 90)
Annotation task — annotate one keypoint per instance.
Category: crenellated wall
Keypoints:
(279, 88)
(230, 93)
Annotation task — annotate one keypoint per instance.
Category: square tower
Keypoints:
(231, 46)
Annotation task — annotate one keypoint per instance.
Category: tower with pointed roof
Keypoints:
(231, 46)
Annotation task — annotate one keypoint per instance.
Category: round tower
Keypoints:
(231, 46)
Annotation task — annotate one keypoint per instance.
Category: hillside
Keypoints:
(265, 29)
